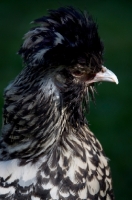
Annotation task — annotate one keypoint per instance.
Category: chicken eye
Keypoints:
(77, 73)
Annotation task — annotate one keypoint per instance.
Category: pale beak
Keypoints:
(105, 75)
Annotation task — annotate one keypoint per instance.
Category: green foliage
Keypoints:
(110, 119)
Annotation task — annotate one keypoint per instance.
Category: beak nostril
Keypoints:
(103, 69)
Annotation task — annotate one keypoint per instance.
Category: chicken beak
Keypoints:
(105, 75)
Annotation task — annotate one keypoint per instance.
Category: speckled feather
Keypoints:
(47, 150)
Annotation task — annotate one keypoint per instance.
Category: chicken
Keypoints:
(47, 151)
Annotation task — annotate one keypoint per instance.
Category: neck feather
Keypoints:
(37, 114)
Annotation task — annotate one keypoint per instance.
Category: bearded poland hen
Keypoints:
(47, 150)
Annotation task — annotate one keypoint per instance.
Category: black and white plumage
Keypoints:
(47, 150)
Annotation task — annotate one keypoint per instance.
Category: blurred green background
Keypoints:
(111, 118)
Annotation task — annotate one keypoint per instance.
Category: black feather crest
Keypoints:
(64, 37)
